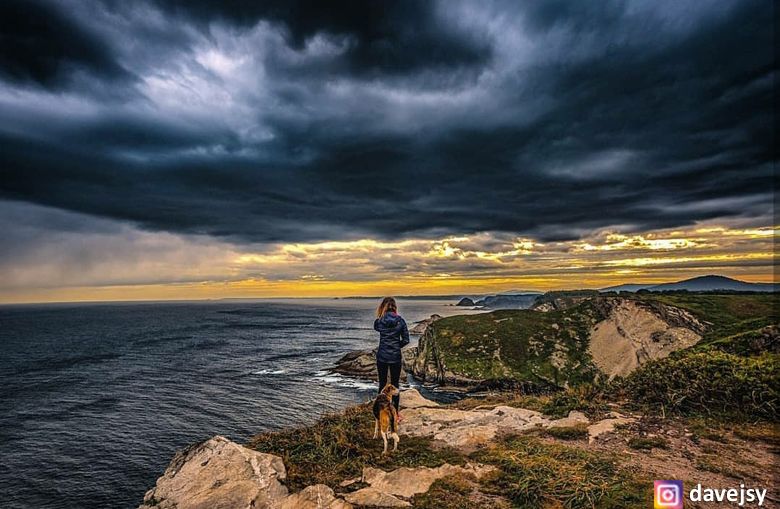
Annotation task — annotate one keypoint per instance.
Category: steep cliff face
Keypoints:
(635, 332)
(578, 339)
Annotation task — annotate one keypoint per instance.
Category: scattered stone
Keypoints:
(219, 474)
(349, 482)
(317, 496)
(605, 427)
(372, 497)
(574, 418)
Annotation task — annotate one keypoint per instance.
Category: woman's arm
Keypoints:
(404, 333)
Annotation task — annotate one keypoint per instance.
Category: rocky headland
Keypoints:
(588, 398)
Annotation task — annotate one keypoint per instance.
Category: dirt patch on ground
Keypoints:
(710, 456)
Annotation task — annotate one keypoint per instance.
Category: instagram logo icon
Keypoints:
(668, 494)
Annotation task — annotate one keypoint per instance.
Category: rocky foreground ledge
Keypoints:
(220, 474)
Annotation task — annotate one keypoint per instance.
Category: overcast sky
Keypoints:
(177, 148)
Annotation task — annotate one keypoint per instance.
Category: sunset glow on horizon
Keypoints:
(136, 265)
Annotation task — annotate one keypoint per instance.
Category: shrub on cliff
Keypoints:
(708, 383)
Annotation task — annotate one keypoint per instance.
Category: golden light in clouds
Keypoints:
(478, 263)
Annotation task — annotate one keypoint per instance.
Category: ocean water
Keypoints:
(96, 398)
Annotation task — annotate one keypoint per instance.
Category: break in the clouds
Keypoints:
(178, 138)
(50, 254)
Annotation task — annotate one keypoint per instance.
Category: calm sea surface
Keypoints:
(96, 398)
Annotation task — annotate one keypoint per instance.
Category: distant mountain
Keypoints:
(698, 284)
(625, 288)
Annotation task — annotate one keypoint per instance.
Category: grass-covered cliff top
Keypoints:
(551, 348)
(520, 344)
(728, 314)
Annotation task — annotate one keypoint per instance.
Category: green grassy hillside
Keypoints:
(728, 314)
(542, 348)
(550, 349)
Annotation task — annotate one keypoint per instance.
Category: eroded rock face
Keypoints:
(635, 332)
(219, 474)
(421, 326)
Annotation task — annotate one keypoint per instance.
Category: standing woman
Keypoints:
(393, 335)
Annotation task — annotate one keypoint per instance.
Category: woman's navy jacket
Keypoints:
(393, 335)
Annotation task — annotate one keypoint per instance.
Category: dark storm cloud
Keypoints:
(265, 121)
(385, 37)
(40, 43)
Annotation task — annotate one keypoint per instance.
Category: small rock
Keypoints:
(604, 427)
(411, 398)
(574, 418)
(349, 482)
(318, 496)
(372, 497)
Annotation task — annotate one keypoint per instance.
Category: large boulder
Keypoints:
(219, 474)
(362, 364)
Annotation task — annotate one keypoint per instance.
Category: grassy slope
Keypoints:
(518, 344)
(521, 344)
(729, 314)
(734, 371)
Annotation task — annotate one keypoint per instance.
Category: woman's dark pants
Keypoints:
(395, 377)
